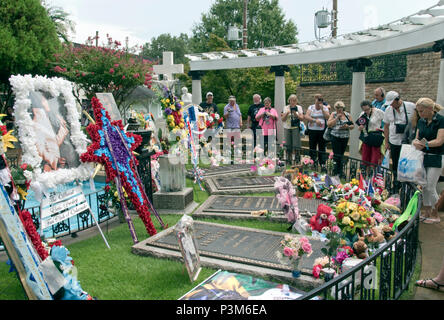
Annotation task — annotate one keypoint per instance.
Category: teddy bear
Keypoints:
(388, 232)
(360, 248)
(375, 237)
(321, 219)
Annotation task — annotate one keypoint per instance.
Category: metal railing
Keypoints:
(385, 274)
(80, 222)
(387, 68)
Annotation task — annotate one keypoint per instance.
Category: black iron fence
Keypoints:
(82, 221)
(386, 274)
(97, 203)
(387, 68)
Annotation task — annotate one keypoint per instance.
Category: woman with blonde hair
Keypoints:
(430, 139)
(291, 116)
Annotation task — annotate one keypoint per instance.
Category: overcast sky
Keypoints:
(141, 20)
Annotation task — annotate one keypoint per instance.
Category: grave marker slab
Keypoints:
(241, 207)
(226, 247)
(239, 184)
(243, 169)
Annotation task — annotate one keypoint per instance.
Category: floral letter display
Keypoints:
(22, 252)
(49, 131)
(112, 147)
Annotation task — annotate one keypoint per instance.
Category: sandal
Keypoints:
(423, 284)
(431, 220)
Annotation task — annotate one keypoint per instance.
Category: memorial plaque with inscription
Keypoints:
(245, 245)
(223, 170)
(240, 184)
(242, 207)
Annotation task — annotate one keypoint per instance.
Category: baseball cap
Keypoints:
(209, 94)
(391, 95)
(231, 98)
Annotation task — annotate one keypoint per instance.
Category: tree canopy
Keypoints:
(180, 45)
(28, 39)
(266, 24)
(107, 68)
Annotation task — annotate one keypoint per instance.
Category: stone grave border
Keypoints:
(228, 263)
(243, 171)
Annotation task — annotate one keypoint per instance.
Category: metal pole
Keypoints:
(334, 25)
(244, 34)
(97, 38)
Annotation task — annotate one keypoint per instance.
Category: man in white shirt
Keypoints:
(396, 117)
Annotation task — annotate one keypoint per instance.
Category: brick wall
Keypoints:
(421, 81)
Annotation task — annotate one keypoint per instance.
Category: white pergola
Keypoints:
(422, 29)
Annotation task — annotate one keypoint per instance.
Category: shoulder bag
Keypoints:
(373, 138)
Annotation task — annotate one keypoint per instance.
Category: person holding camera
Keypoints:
(396, 119)
(252, 112)
(317, 116)
(291, 116)
(340, 123)
(233, 119)
(267, 117)
(370, 123)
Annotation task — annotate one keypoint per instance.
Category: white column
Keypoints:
(439, 47)
(440, 96)
(279, 103)
(279, 97)
(196, 88)
(358, 94)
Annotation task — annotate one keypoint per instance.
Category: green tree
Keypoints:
(28, 39)
(165, 42)
(242, 83)
(266, 24)
(102, 69)
(61, 20)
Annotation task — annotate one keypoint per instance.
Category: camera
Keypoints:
(400, 128)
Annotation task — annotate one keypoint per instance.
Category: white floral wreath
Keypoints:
(42, 181)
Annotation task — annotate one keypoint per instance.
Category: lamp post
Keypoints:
(334, 25)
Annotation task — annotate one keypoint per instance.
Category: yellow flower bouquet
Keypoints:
(352, 216)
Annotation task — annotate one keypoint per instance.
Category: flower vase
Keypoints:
(171, 173)
(296, 272)
(300, 193)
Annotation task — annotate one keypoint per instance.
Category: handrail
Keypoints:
(84, 219)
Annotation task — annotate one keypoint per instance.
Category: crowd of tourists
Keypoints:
(384, 124)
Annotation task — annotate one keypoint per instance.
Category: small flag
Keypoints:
(370, 190)
(328, 181)
(362, 184)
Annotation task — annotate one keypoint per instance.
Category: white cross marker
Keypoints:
(168, 67)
